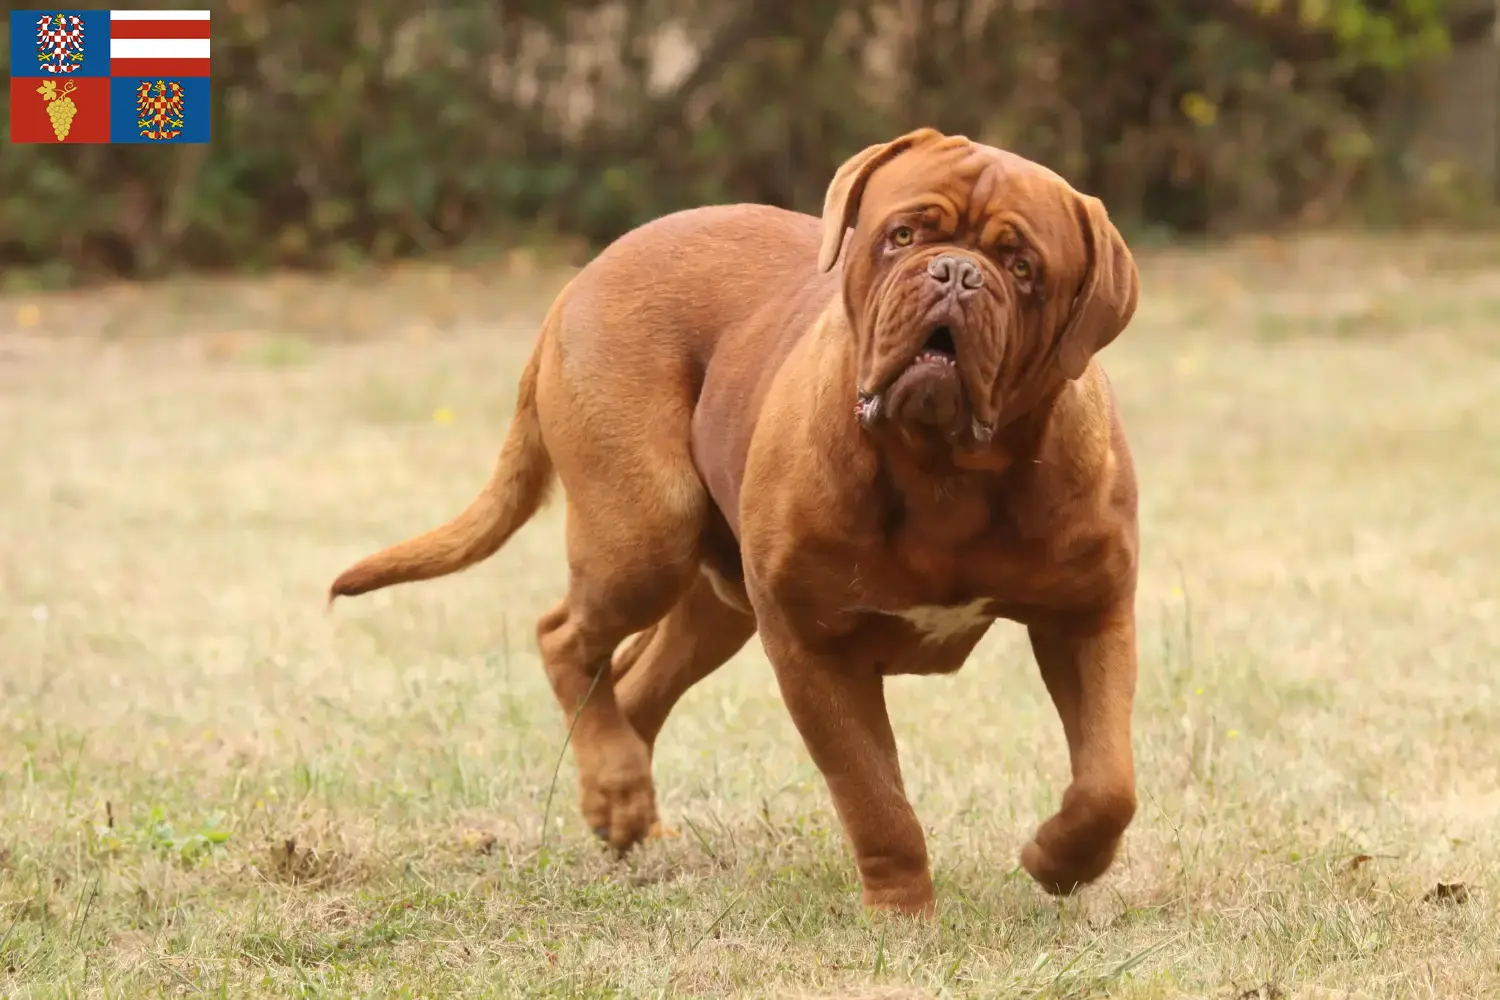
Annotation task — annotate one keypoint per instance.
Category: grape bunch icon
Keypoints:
(60, 107)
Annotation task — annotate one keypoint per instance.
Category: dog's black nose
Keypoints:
(957, 274)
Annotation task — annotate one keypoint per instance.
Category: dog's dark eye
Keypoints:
(903, 236)
(1021, 268)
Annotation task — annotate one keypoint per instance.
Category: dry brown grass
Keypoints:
(207, 784)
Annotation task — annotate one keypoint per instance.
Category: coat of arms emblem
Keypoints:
(59, 43)
(159, 109)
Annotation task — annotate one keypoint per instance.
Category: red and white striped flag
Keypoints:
(158, 43)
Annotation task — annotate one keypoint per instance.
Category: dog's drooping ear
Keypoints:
(841, 203)
(1111, 290)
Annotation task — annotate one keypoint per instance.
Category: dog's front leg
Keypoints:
(1089, 667)
(839, 708)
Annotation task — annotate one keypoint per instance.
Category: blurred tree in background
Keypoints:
(352, 131)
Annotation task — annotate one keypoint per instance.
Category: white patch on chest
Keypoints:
(938, 623)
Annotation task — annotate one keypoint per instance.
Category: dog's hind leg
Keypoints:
(615, 397)
(657, 667)
(632, 537)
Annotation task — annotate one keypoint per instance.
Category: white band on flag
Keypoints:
(158, 15)
(158, 48)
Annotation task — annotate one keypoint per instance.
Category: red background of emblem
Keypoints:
(28, 112)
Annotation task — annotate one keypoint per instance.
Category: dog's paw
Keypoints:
(1079, 844)
(618, 798)
(915, 900)
(1062, 874)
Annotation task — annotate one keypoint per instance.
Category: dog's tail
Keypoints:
(517, 489)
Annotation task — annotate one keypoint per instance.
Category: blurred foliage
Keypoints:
(353, 131)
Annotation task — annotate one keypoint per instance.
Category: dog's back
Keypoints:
(666, 295)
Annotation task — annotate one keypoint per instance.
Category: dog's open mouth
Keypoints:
(939, 349)
(926, 391)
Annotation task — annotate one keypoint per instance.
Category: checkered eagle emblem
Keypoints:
(159, 109)
(59, 43)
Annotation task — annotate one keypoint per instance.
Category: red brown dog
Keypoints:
(866, 464)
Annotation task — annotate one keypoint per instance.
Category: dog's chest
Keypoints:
(926, 603)
(925, 638)
(943, 623)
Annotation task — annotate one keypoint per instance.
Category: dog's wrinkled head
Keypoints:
(974, 280)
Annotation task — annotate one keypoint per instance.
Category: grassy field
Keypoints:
(209, 785)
